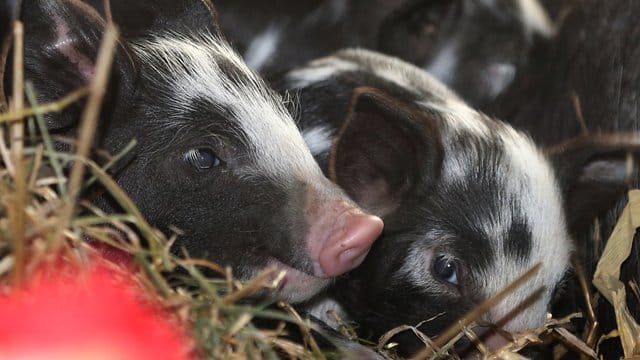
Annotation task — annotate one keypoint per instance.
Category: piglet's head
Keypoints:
(218, 156)
(469, 205)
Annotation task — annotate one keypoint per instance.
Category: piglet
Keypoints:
(469, 203)
(218, 155)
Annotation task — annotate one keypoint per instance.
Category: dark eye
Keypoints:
(202, 158)
(446, 269)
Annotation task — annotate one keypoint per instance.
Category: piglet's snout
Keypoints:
(340, 236)
(492, 339)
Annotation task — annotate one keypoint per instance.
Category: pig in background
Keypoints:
(474, 46)
(218, 155)
(587, 80)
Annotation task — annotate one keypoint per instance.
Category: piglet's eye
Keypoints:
(445, 269)
(202, 158)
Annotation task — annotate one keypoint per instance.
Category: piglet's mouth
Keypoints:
(294, 285)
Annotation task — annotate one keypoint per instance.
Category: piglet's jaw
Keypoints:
(340, 235)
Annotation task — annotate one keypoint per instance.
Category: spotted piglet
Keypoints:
(469, 203)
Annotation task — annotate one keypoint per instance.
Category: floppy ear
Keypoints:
(594, 171)
(62, 38)
(385, 153)
(8, 13)
(140, 18)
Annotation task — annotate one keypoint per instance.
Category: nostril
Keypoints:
(347, 248)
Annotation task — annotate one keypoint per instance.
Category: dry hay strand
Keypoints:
(607, 274)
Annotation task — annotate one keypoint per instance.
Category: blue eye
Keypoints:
(446, 269)
(202, 158)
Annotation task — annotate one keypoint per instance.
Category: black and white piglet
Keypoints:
(469, 203)
(218, 155)
(474, 46)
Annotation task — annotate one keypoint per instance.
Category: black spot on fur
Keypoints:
(518, 241)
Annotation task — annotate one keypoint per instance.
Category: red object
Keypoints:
(87, 316)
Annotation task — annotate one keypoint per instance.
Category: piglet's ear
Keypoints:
(594, 171)
(8, 12)
(62, 38)
(385, 153)
(138, 19)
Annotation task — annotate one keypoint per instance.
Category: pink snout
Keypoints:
(340, 237)
(493, 341)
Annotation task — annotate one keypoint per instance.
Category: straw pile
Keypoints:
(44, 221)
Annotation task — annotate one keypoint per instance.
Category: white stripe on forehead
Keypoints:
(191, 65)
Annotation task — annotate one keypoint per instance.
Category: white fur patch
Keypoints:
(319, 139)
(191, 66)
(532, 14)
(394, 70)
(535, 18)
(401, 73)
(444, 65)
(459, 116)
(262, 47)
(318, 71)
(497, 77)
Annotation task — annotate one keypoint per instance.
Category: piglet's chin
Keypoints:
(296, 286)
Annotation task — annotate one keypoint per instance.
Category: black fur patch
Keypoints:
(518, 241)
